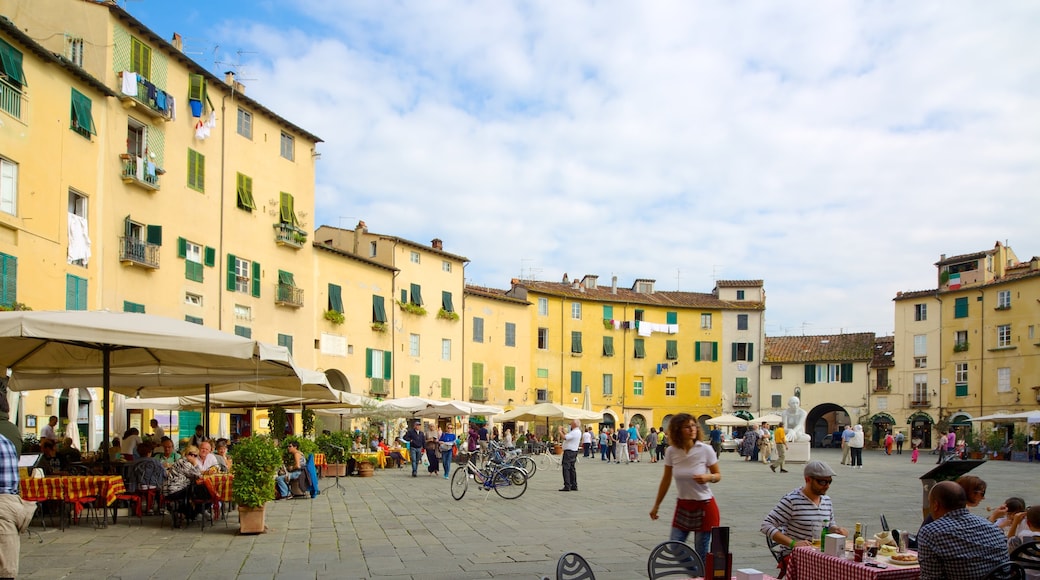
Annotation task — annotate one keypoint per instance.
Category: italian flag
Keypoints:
(955, 281)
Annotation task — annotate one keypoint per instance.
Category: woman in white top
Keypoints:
(131, 439)
(694, 465)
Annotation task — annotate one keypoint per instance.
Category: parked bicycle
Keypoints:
(514, 457)
(508, 481)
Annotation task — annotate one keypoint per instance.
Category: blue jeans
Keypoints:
(415, 456)
(282, 482)
(446, 460)
(701, 540)
(603, 452)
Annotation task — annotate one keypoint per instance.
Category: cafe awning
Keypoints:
(960, 420)
(919, 416)
(883, 418)
(744, 414)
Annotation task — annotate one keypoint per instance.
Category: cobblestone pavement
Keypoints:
(392, 526)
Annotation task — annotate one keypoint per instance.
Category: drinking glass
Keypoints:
(817, 529)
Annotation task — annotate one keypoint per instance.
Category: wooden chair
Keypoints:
(674, 559)
(1007, 571)
(1027, 556)
(572, 566)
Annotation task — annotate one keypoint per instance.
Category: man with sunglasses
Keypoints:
(800, 514)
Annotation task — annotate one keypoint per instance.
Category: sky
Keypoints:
(832, 149)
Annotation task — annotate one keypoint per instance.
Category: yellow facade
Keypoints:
(495, 349)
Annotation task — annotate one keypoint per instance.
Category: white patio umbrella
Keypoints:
(771, 418)
(550, 411)
(727, 420)
(996, 417)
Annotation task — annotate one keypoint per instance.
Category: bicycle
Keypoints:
(514, 457)
(546, 457)
(508, 481)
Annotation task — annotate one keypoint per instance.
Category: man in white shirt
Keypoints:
(571, 441)
(48, 430)
(157, 431)
(586, 441)
(206, 458)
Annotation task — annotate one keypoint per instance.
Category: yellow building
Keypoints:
(640, 355)
(496, 348)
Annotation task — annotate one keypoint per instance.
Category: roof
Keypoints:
(407, 242)
(354, 257)
(884, 352)
(964, 258)
(1020, 271)
(915, 294)
(25, 40)
(738, 283)
(629, 296)
(494, 294)
(821, 348)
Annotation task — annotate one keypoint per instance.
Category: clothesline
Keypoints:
(644, 328)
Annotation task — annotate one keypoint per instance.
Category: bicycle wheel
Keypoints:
(527, 464)
(459, 482)
(509, 482)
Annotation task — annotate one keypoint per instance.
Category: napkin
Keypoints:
(885, 539)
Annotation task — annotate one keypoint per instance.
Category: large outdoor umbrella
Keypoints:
(125, 351)
(550, 411)
(727, 420)
(771, 418)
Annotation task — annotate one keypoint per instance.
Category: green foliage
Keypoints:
(442, 313)
(412, 308)
(1020, 441)
(373, 461)
(327, 444)
(307, 418)
(30, 443)
(335, 316)
(944, 277)
(972, 442)
(995, 440)
(277, 420)
(14, 306)
(305, 445)
(255, 460)
(379, 326)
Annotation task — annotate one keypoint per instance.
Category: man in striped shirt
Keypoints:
(800, 514)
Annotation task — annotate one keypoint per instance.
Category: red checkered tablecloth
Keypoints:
(73, 487)
(808, 564)
(219, 485)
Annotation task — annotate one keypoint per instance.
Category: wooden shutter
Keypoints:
(210, 256)
(256, 279)
(810, 374)
(182, 248)
(387, 360)
(231, 277)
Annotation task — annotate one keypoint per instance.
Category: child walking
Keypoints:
(913, 456)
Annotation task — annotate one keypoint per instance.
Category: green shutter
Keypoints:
(733, 348)
(378, 311)
(182, 248)
(575, 342)
(231, 277)
(386, 364)
(210, 256)
(11, 59)
(671, 350)
(575, 382)
(672, 318)
(404, 296)
(192, 319)
(446, 388)
(750, 351)
(510, 379)
(286, 340)
(742, 385)
(960, 308)
(608, 312)
(417, 295)
(640, 348)
(8, 280)
(153, 235)
(286, 211)
(846, 372)
(368, 363)
(193, 271)
(810, 374)
(477, 375)
(446, 302)
(286, 278)
(81, 115)
(133, 307)
(75, 293)
(244, 331)
(256, 279)
(639, 314)
(197, 87)
(413, 385)
(608, 346)
(714, 352)
(335, 298)
(244, 189)
(140, 58)
(696, 352)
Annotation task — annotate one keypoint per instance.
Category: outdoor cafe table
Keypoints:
(219, 485)
(807, 563)
(379, 456)
(63, 487)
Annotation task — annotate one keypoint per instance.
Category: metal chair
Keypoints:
(674, 559)
(1027, 556)
(572, 566)
(1006, 571)
(884, 523)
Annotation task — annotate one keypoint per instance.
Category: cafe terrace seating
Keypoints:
(573, 567)
(674, 559)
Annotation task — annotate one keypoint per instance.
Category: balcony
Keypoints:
(960, 346)
(289, 235)
(135, 252)
(137, 171)
(12, 99)
(288, 295)
(152, 101)
(543, 396)
(742, 401)
(477, 394)
(883, 387)
(377, 388)
(919, 403)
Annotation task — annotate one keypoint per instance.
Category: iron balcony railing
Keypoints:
(138, 252)
(11, 98)
(287, 295)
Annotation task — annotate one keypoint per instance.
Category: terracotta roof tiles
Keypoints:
(822, 348)
(629, 296)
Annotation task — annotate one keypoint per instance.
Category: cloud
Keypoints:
(832, 150)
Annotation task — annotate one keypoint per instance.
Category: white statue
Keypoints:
(794, 421)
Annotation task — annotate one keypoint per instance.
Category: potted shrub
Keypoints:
(334, 445)
(974, 445)
(366, 466)
(335, 316)
(1018, 447)
(255, 462)
(995, 444)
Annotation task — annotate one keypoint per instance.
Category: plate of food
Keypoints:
(907, 559)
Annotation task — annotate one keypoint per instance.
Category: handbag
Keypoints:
(447, 445)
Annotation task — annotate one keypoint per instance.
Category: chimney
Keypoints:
(437, 244)
(177, 42)
(359, 231)
(613, 284)
(566, 280)
(229, 77)
(575, 285)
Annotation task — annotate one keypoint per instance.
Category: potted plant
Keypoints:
(255, 462)
(995, 444)
(379, 326)
(445, 315)
(366, 466)
(1019, 442)
(335, 316)
(334, 445)
(973, 444)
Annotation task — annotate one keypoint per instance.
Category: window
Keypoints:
(445, 388)
(243, 331)
(287, 209)
(543, 339)
(706, 351)
(882, 379)
(82, 118)
(706, 320)
(445, 266)
(742, 322)
(576, 310)
(543, 307)
(960, 308)
(671, 318)
(446, 302)
(287, 290)
(192, 255)
(961, 378)
(413, 345)
(743, 351)
(920, 312)
(335, 298)
(671, 350)
(414, 257)
(193, 299)
(445, 349)
(243, 276)
(741, 387)
(11, 69)
(509, 379)
(543, 373)
(197, 89)
(740, 294)
(1032, 333)
(140, 58)
(510, 334)
(608, 312)
(1004, 380)
(75, 292)
(378, 363)
(413, 385)
(920, 362)
(8, 187)
(286, 341)
(639, 314)
(244, 188)
(196, 170)
(640, 349)
(920, 394)
(776, 372)
(288, 148)
(193, 319)
(378, 311)
(608, 385)
(1003, 299)
(245, 123)
(777, 400)
(416, 294)
(1003, 335)
(477, 377)
(608, 346)
(372, 249)
(575, 342)
(920, 345)
(243, 312)
(575, 382)
(669, 388)
(705, 388)
(637, 386)
(960, 340)
(478, 330)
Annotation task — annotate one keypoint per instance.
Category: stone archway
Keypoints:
(337, 380)
(824, 419)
